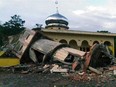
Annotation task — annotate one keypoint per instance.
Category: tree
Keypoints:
(102, 31)
(3, 37)
(14, 26)
(38, 27)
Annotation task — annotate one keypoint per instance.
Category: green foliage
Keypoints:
(1, 42)
(1, 35)
(103, 31)
(13, 26)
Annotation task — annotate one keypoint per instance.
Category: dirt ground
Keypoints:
(9, 79)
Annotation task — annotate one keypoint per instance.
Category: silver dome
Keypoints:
(57, 16)
(56, 20)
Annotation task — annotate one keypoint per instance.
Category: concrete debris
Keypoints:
(94, 70)
(81, 73)
(25, 72)
(58, 69)
(20, 68)
(50, 56)
(114, 72)
(46, 66)
(112, 67)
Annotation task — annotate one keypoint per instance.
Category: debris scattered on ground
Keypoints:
(56, 69)
(40, 54)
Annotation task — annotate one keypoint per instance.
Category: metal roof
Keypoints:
(56, 16)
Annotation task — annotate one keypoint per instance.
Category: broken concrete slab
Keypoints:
(114, 72)
(94, 70)
(113, 67)
(57, 69)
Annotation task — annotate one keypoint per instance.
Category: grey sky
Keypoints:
(86, 15)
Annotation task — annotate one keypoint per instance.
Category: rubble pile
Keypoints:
(43, 55)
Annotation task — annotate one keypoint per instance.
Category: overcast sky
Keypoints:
(85, 15)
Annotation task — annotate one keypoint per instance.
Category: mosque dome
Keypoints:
(56, 20)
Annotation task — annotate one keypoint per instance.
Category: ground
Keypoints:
(9, 79)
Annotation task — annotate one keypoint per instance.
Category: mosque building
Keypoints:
(57, 29)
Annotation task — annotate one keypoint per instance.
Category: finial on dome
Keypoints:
(56, 2)
(56, 21)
